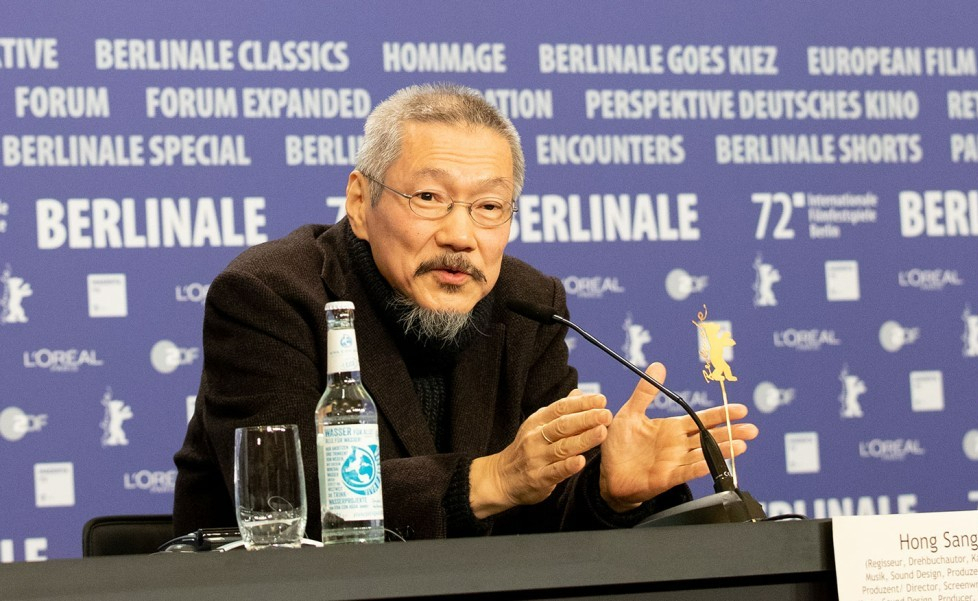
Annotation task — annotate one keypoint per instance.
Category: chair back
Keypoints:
(125, 534)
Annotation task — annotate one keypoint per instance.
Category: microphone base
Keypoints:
(728, 507)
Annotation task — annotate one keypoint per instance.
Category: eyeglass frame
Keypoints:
(452, 202)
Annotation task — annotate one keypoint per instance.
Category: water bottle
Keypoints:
(347, 445)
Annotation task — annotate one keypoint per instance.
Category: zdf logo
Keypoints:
(14, 423)
(894, 336)
(166, 356)
(680, 284)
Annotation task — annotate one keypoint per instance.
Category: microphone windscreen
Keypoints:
(541, 313)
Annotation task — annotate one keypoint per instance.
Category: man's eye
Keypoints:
(431, 197)
(490, 206)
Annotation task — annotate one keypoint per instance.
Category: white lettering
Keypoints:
(28, 53)
(964, 148)
(786, 149)
(291, 55)
(164, 55)
(191, 103)
(73, 151)
(522, 104)
(661, 104)
(202, 151)
(151, 481)
(602, 58)
(58, 102)
(194, 293)
(165, 222)
(805, 340)
(951, 62)
(891, 104)
(880, 148)
(962, 104)
(305, 103)
(831, 507)
(696, 60)
(610, 150)
(555, 218)
(34, 549)
(864, 61)
(799, 104)
(938, 214)
(753, 60)
(312, 150)
(444, 57)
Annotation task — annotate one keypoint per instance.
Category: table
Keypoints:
(768, 560)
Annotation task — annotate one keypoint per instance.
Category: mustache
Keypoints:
(453, 262)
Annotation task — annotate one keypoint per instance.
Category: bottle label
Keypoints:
(341, 351)
(352, 459)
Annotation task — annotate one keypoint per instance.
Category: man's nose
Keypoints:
(456, 230)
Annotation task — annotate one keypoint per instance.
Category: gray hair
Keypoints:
(449, 104)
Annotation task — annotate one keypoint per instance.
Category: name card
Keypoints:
(908, 557)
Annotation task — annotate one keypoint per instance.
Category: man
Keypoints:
(481, 428)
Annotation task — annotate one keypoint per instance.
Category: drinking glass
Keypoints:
(269, 486)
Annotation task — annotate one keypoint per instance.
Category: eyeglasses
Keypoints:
(433, 204)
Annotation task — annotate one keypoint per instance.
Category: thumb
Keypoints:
(645, 393)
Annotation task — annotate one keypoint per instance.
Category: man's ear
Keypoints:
(357, 201)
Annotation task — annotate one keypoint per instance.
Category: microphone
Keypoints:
(729, 503)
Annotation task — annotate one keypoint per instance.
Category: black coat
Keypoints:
(264, 363)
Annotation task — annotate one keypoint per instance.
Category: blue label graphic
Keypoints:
(359, 472)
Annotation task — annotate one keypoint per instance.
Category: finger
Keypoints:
(645, 393)
(739, 448)
(740, 432)
(580, 443)
(717, 415)
(575, 423)
(567, 406)
(557, 472)
(696, 455)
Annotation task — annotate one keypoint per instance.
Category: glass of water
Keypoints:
(269, 486)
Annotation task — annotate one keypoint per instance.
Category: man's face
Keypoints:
(447, 264)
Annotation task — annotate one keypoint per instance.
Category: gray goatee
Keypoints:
(429, 324)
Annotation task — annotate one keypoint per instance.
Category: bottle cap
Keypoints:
(339, 305)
